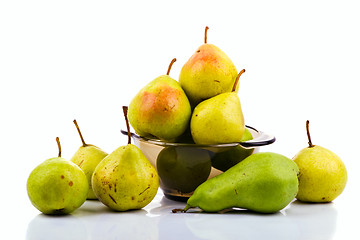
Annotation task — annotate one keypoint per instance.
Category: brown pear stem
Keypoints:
(125, 110)
(308, 134)
(59, 146)
(170, 65)
(81, 137)
(205, 37)
(237, 80)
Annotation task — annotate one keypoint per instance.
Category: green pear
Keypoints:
(323, 175)
(87, 157)
(218, 119)
(229, 158)
(125, 179)
(57, 186)
(160, 109)
(207, 73)
(264, 182)
(183, 168)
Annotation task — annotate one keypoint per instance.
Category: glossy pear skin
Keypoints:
(207, 73)
(160, 109)
(263, 182)
(218, 120)
(323, 175)
(125, 179)
(87, 158)
(57, 186)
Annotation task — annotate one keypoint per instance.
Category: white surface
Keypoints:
(61, 60)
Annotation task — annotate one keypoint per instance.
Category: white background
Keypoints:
(65, 60)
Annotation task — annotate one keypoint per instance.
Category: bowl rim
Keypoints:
(262, 139)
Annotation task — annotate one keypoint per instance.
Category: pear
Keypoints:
(87, 157)
(57, 186)
(229, 158)
(125, 179)
(323, 175)
(218, 119)
(160, 109)
(263, 182)
(207, 73)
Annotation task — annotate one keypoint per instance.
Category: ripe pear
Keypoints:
(87, 157)
(218, 119)
(160, 109)
(323, 175)
(207, 73)
(57, 186)
(125, 179)
(263, 182)
(227, 159)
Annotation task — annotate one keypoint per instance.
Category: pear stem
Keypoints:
(237, 80)
(308, 134)
(81, 137)
(170, 65)
(205, 37)
(125, 110)
(59, 146)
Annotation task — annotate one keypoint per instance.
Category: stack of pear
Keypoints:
(161, 109)
(57, 186)
(207, 73)
(219, 119)
(125, 179)
(87, 157)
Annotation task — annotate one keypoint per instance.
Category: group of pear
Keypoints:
(202, 107)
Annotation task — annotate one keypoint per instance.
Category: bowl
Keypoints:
(182, 167)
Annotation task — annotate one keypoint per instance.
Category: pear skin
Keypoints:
(323, 175)
(160, 109)
(57, 186)
(207, 73)
(218, 120)
(125, 179)
(263, 182)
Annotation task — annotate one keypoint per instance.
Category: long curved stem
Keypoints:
(308, 134)
(59, 146)
(170, 65)
(125, 110)
(237, 80)
(81, 137)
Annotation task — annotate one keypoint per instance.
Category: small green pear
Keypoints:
(264, 182)
(160, 109)
(218, 119)
(323, 175)
(87, 157)
(227, 159)
(125, 179)
(207, 73)
(57, 186)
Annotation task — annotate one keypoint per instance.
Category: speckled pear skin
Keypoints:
(323, 175)
(87, 158)
(160, 109)
(57, 186)
(263, 182)
(125, 179)
(218, 120)
(207, 73)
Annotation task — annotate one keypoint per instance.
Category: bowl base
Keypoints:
(176, 198)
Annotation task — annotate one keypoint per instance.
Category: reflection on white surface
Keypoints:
(156, 221)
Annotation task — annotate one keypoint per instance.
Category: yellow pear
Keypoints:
(207, 73)
(322, 175)
(125, 179)
(218, 119)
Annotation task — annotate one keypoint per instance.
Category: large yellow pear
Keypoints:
(322, 175)
(207, 73)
